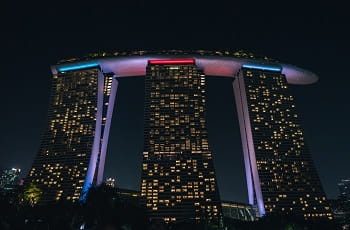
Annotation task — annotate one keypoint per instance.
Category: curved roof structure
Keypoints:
(213, 63)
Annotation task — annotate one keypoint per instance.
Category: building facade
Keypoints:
(71, 148)
(280, 173)
(178, 178)
(177, 171)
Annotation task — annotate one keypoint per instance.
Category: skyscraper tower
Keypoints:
(178, 178)
(71, 149)
(280, 173)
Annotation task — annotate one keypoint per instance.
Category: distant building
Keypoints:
(239, 211)
(110, 182)
(9, 178)
(341, 211)
(344, 188)
(341, 207)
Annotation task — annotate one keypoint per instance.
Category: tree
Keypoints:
(30, 194)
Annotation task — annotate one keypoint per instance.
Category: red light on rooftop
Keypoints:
(171, 62)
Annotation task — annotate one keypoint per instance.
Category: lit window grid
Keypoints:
(62, 161)
(287, 175)
(178, 178)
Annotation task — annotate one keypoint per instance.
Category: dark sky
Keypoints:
(312, 35)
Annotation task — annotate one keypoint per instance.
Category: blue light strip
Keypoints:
(76, 67)
(262, 67)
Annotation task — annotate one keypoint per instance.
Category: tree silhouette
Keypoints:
(30, 195)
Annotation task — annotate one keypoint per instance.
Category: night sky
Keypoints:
(311, 35)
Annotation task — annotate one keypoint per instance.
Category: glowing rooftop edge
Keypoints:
(76, 67)
(171, 61)
(127, 66)
(262, 67)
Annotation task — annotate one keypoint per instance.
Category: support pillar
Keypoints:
(97, 137)
(104, 141)
(252, 176)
